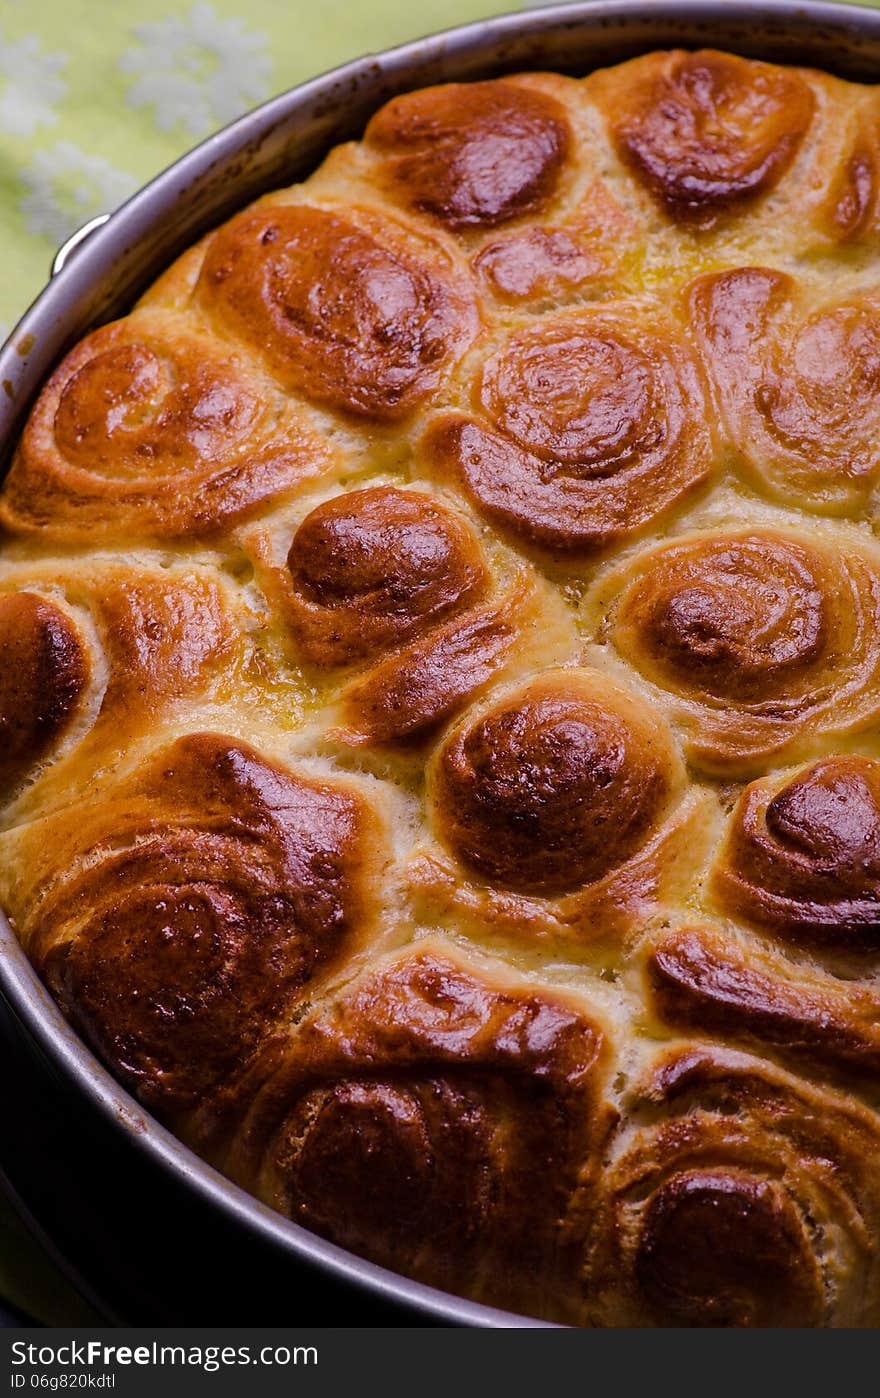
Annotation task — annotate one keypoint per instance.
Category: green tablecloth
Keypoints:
(95, 97)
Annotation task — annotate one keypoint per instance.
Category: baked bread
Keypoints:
(441, 694)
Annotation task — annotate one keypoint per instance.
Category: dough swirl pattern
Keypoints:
(440, 709)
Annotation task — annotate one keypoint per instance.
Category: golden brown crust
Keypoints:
(594, 424)
(850, 209)
(44, 673)
(372, 568)
(737, 1195)
(707, 132)
(162, 636)
(122, 648)
(799, 864)
(150, 429)
(762, 641)
(802, 855)
(584, 253)
(472, 154)
(538, 262)
(552, 787)
(798, 377)
(178, 919)
(387, 593)
(561, 815)
(413, 691)
(445, 1124)
(440, 726)
(704, 980)
(345, 307)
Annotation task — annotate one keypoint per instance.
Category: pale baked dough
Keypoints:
(441, 693)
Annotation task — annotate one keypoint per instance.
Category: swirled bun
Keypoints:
(150, 428)
(798, 376)
(559, 808)
(706, 133)
(388, 601)
(763, 642)
(593, 424)
(802, 856)
(482, 1091)
(737, 1195)
(193, 906)
(440, 699)
(473, 154)
(349, 309)
(45, 671)
(372, 568)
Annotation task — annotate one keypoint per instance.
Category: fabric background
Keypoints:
(97, 96)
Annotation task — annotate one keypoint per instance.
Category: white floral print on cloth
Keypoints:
(30, 85)
(198, 69)
(65, 186)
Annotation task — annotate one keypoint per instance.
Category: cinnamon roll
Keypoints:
(706, 133)
(802, 855)
(849, 214)
(472, 155)
(737, 1194)
(593, 424)
(100, 654)
(442, 1121)
(708, 980)
(390, 591)
(179, 917)
(152, 429)
(798, 377)
(351, 309)
(799, 865)
(46, 669)
(370, 569)
(760, 642)
(562, 804)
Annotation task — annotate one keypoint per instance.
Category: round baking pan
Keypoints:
(222, 1254)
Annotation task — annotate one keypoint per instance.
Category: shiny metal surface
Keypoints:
(76, 239)
(103, 268)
